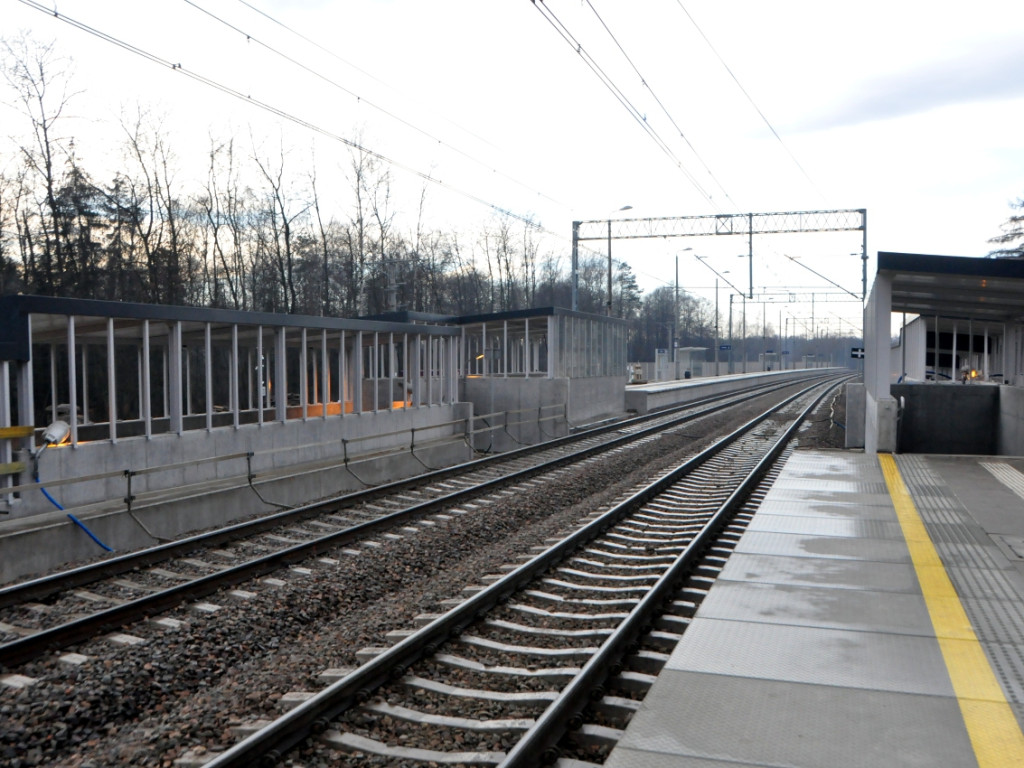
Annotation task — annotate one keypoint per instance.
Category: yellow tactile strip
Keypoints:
(995, 735)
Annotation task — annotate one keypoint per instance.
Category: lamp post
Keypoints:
(731, 296)
(623, 208)
(675, 306)
(744, 333)
(716, 326)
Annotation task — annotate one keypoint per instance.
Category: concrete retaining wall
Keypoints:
(948, 418)
(645, 398)
(530, 403)
(855, 410)
(44, 541)
(200, 453)
(1010, 438)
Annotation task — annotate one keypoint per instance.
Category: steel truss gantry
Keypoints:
(749, 224)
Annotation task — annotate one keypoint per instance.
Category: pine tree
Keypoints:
(1013, 234)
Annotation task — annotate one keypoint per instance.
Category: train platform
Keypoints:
(872, 614)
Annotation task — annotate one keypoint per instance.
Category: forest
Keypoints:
(258, 232)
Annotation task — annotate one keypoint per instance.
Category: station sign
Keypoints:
(724, 347)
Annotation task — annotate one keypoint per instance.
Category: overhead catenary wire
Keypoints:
(621, 97)
(751, 100)
(281, 113)
(526, 219)
(646, 84)
(250, 38)
(346, 62)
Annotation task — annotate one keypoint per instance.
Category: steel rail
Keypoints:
(539, 745)
(31, 646)
(267, 746)
(44, 586)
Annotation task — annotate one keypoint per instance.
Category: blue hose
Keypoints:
(74, 519)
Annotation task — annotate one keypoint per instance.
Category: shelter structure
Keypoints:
(158, 398)
(207, 393)
(962, 324)
(532, 374)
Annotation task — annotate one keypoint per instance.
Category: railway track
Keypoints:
(547, 661)
(70, 607)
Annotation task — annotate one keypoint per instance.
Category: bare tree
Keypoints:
(152, 207)
(10, 197)
(323, 243)
(357, 234)
(279, 216)
(39, 79)
(224, 206)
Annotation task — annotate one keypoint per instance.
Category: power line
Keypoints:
(277, 111)
(301, 122)
(266, 46)
(357, 68)
(751, 100)
(619, 95)
(647, 85)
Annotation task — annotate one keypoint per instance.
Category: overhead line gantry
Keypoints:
(749, 224)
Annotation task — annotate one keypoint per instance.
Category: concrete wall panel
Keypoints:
(1010, 439)
(645, 398)
(42, 542)
(276, 446)
(948, 418)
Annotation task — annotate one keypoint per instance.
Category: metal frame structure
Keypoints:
(160, 364)
(143, 385)
(950, 294)
(749, 224)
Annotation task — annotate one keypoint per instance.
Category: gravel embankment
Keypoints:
(185, 688)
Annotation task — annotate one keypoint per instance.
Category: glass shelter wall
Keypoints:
(116, 371)
(552, 343)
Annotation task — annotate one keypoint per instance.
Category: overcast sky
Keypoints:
(910, 109)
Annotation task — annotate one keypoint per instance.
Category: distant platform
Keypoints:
(651, 396)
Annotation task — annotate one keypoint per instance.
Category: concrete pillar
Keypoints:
(6, 452)
(147, 416)
(187, 358)
(72, 382)
(280, 382)
(85, 384)
(234, 398)
(325, 381)
(453, 351)
(880, 407)
(389, 366)
(208, 365)
(163, 372)
(552, 343)
(417, 369)
(174, 377)
(111, 382)
(53, 384)
(303, 381)
(357, 374)
(343, 384)
(26, 395)
(261, 373)
(375, 371)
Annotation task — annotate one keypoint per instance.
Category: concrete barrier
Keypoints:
(49, 540)
(644, 398)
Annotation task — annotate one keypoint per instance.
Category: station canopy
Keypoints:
(988, 290)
